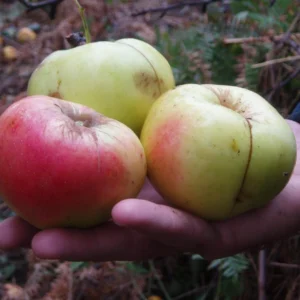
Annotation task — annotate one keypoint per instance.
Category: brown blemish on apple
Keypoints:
(55, 95)
(58, 84)
(158, 82)
(147, 83)
(234, 146)
(154, 95)
(13, 125)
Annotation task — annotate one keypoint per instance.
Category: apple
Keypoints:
(119, 79)
(65, 165)
(217, 151)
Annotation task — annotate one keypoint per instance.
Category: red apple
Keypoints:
(65, 165)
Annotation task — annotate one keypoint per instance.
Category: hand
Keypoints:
(149, 228)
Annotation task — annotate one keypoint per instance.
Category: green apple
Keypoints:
(217, 151)
(118, 79)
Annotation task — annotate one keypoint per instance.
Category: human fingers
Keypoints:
(149, 192)
(103, 243)
(212, 240)
(167, 225)
(278, 220)
(15, 233)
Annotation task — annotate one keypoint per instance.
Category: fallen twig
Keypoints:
(166, 8)
(282, 83)
(257, 39)
(160, 283)
(276, 61)
(284, 265)
(294, 23)
(293, 45)
(193, 291)
(287, 34)
(41, 4)
(262, 275)
(289, 78)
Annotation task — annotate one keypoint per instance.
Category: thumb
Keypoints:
(15, 233)
(165, 224)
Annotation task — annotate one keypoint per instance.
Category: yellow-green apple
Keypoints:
(65, 165)
(119, 79)
(217, 151)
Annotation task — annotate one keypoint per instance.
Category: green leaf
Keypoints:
(230, 267)
(7, 271)
(76, 265)
(231, 288)
(197, 257)
(136, 268)
(241, 16)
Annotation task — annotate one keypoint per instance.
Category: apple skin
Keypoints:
(217, 151)
(119, 79)
(65, 165)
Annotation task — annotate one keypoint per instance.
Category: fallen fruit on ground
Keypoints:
(10, 53)
(65, 165)
(26, 34)
(217, 151)
(119, 79)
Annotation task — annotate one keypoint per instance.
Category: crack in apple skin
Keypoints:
(224, 95)
(238, 199)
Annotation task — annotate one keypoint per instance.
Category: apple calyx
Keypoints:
(86, 119)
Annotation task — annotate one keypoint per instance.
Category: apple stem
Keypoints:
(84, 22)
